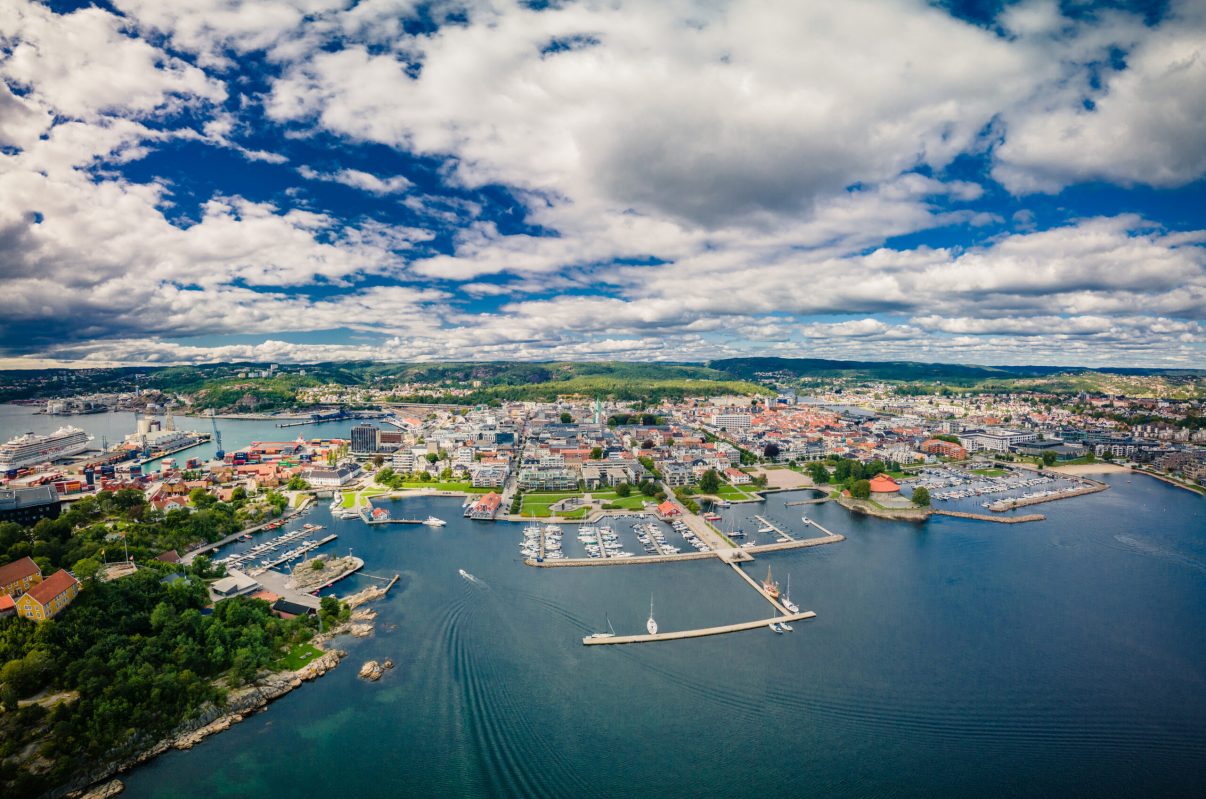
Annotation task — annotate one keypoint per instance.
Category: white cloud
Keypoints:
(1144, 126)
(358, 179)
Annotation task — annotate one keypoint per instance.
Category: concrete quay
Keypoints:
(699, 633)
(725, 555)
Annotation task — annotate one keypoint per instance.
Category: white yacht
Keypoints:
(651, 625)
(434, 521)
(786, 600)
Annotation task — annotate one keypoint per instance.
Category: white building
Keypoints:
(994, 439)
(733, 422)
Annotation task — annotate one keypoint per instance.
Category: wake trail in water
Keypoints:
(1142, 546)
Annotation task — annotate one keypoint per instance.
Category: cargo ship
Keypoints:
(31, 449)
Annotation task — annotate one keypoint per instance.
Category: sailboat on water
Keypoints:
(651, 625)
(770, 586)
(786, 600)
(611, 634)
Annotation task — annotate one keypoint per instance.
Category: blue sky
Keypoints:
(977, 182)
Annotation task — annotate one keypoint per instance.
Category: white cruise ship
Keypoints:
(31, 449)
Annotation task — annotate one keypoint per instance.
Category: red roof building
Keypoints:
(882, 484)
(19, 576)
(48, 598)
(668, 508)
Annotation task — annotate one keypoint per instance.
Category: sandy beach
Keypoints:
(1090, 468)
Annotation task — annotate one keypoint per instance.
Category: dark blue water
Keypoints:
(1063, 658)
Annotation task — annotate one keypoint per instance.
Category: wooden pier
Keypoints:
(761, 591)
(700, 633)
(305, 548)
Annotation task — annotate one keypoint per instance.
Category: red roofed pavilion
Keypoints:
(882, 484)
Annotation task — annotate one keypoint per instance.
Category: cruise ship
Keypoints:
(31, 449)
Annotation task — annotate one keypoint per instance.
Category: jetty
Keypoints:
(779, 531)
(699, 633)
(982, 517)
(726, 555)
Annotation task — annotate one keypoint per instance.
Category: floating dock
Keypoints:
(700, 633)
(779, 531)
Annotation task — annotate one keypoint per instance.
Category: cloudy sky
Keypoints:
(302, 180)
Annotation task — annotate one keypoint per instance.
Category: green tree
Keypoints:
(596, 453)
(86, 569)
(818, 472)
(432, 457)
(566, 417)
(771, 451)
(861, 489)
(921, 496)
(297, 483)
(623, 489)
(1049, 458)
(709, 483)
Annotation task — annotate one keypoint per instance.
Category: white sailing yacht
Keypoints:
(786, 600)
(651, 625)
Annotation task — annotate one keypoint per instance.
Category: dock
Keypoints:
(297, 553)
(726, 555)
(761, 591)
(779, 531)
(393, 521)
(700, 633)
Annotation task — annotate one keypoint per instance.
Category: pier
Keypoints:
(308, 546)
(726, 555)
(816, 501)
(762, 591)
(700, 633)
(394, 521)
(774, 527)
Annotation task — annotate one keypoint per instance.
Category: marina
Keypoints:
(269, 554)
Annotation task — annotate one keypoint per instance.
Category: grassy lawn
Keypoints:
(467, 487)
(298, 656)
(634, 501)
(729, 492)
(537, 504)
(990, 472)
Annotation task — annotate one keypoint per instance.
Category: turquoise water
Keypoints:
(1066, 657)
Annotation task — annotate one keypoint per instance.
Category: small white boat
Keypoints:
(651, 625)
(434, 521)
(776, 628)
(467, 575)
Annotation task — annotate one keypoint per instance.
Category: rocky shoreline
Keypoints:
(240, 704)
(214, 719)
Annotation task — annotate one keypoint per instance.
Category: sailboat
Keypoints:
(770, 586)
(786, 600)
(651, 625)
(611, 634)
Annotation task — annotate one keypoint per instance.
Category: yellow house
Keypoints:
(18, 577)
(46, 599)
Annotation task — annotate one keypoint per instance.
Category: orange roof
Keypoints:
(18, 570)
(882, 484)
(52, 586)
(667, 508)
(6, 603)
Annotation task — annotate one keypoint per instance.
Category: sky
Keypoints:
(316, 180)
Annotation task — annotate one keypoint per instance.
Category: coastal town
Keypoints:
(587, 480)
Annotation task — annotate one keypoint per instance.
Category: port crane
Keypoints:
(219, 454)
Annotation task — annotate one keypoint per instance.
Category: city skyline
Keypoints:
(210, 181)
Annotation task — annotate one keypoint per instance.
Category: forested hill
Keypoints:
(753, 368)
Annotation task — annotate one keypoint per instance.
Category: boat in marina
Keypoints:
(434, 521)
(786, 600)
(611, 634)
(770, 586)
(651, 625)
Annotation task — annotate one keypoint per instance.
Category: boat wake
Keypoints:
(471, 579)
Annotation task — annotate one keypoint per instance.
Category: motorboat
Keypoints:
(434, 521)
